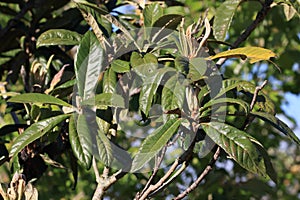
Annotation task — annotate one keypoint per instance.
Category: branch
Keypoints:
(202, 175)
(259, 18)
(257, 89)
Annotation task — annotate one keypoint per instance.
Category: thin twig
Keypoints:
(202, 175)
(257, 89)
(259, 18)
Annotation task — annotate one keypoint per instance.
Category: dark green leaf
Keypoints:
(38, 98)
(278, 124)
(237, 145)
(151, 13)
(88, 64)
(154, 143)
(34, 132)
(80, 140)
(223, 18)
(143, 65)
(58, 37)
(105, 151)
(85, 5)
(168, 21)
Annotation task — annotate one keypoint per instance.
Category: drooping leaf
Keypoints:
(38, 98)
(105, 152)
(154, 143)
(58, 37)
(237, 145)
(34, 132)
(88, 64)
(120, 66)
(214, 103)
(197, 68)
(103, 100)
(254, 54)
(148, 90)
(109, 81)
(173, 93)
(223, 18)
(278, 124)
(80, 140)
(151, 13)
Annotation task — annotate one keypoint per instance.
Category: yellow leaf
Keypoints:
(254, 54)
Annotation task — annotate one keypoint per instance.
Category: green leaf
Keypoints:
(120, 66)
(237, 145)
(173, 93)
(151, 13)
(150, 85)
(143, 65)
(223, 18)
(254, 54)
(88, 64)
(154, 143)
(170, 21)
(58, 37)
(80, 140)
(34, 132)
(105, 152)
(85, 5)
(109, 81)
(197, 68)
(278, 124)
(214, 103)
(38, 98)
(103, 100)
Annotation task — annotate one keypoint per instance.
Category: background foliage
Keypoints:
(33, 58)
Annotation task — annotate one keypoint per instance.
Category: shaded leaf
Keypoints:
(38, 98)
(237, 145)
(88, 64)
(223, 18)
(34, 132)
(143, 65)
(82, 4)
(278, 124)
(80, 140)
(254, 54)
(58, 37)
(197, 68)
(170, 21)
(154, 143)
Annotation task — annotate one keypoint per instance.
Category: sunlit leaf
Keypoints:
(223, 18)
(237, 145)
(120, 66)
(154, 143)
(38, 98)
(151, 13)
(34, 132)
(58, 37)
(109, 81)
(254, 54)
(103, 100)
(88, 64)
